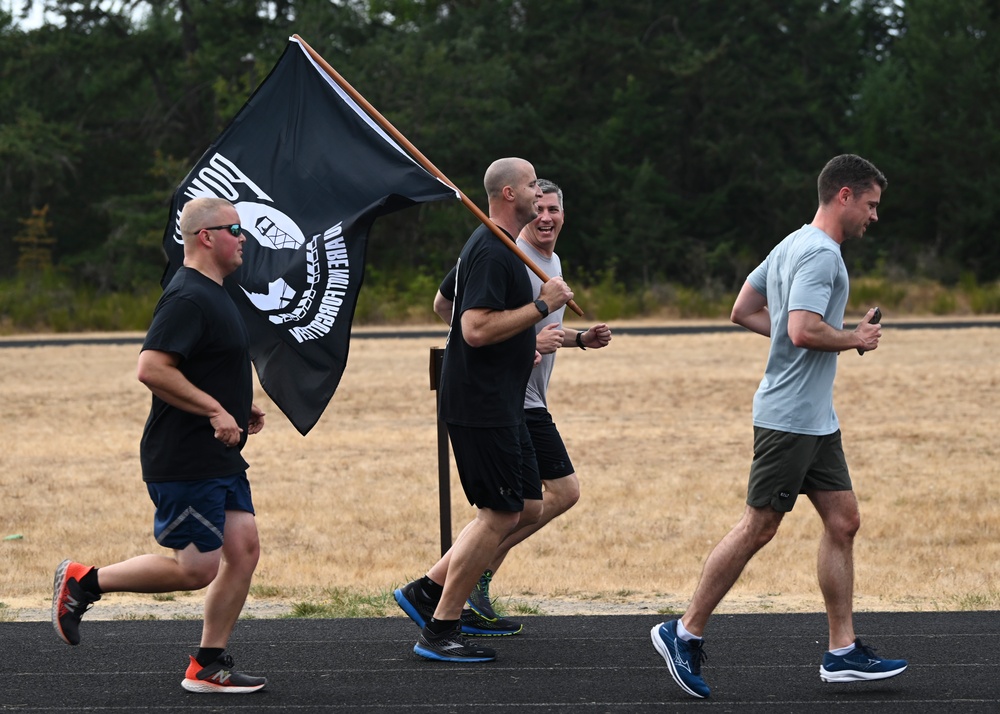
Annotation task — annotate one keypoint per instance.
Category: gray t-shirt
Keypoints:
(538, 383)
(803, 272)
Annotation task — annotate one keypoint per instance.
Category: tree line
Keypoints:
(686, 134)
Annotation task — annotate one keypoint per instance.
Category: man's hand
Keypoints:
(555, 293)
(550, 338)
(256, 420)
(596, 337)
(226, 429)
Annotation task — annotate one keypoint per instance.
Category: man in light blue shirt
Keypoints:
(797, 297)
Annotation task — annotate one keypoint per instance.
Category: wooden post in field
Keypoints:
(444, 477)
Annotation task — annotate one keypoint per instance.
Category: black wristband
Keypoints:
(542, 307)
(579, 341)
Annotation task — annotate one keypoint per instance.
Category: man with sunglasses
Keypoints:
(196, 362)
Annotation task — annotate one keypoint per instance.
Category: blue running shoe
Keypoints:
(683, 658)
(415, 602)
(860, 664)
(451, 647)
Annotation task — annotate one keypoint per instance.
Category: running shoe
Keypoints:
(860, 664)
(683, 658)
(479, 600)
(451, 646)
(70, 601)
(218, 677)
(415, 602)
(475, 624)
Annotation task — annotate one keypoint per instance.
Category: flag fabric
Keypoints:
(308, 171)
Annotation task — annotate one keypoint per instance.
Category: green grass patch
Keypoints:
(989, 600)
(343, 602)
(517, 607)
(266, 591)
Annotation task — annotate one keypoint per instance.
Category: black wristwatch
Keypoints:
(542, 307)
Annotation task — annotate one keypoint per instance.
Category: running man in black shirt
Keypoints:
(196, 362)
(487, 362)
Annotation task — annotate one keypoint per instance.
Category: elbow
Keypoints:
(473, 338)
(800, 339)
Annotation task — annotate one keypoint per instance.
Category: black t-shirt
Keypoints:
(484, 386)
(196, 319)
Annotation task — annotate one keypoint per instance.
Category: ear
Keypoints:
(844, 194)
(508, 193)
(205, 238)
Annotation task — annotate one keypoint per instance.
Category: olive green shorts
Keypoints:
(786, 464)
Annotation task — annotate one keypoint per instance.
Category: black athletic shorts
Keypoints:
(550, 451)
(496, 465)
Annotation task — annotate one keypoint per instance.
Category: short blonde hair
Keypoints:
(200, 213)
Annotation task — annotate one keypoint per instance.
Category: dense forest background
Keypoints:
(687, 134)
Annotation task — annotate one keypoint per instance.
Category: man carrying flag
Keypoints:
(487, 362)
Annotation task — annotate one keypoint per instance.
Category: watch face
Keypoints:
(542, 307)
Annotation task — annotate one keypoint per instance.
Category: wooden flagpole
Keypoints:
(423, 161)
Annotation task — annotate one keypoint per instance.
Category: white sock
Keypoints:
(841, 651)
(684, 634)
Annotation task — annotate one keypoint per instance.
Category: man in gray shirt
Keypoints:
(797, 297)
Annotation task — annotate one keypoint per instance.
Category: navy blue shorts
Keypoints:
(195, 511)
(496, 465)
(550, 451)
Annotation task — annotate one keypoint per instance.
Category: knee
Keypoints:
(531, 514)
(765, 535)
(569, 494)
(758, 532)
(245, 555)
(201, 574)
(562, 497)
(846, 527)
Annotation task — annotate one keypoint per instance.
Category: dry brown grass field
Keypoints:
(657, 426)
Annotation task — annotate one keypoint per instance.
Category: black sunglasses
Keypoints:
(235, 229)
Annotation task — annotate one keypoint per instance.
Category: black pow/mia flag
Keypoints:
(308, 171)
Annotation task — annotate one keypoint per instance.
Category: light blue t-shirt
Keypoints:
(803, 272)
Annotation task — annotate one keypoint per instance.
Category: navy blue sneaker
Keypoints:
(475, 624)
(683, 658)
(415, 602)
(860, 664)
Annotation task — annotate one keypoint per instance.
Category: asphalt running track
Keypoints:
(757, 663)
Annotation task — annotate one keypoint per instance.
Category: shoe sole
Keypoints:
(438, 657)
(408, 608)
(664, 651)
(476, 632)
(855, 676)
(193, 685)
(57, 588)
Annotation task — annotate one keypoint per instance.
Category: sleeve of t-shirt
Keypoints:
(447, 287)
(177, 326)
(485, 282)
(812, 284)
(758, 277)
